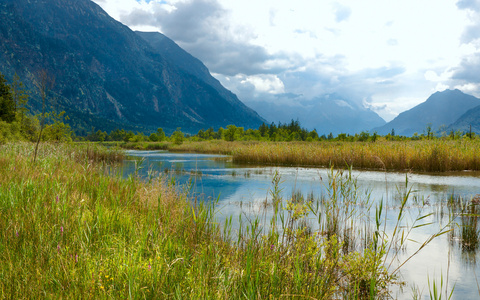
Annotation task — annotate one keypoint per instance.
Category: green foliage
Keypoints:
(139, 137)
(56, 129)
(9, 132)
(177, 137)
(98, 136)
(153, 137)
(231, 133)
(7, 102)
(161, 135)
(20, 96)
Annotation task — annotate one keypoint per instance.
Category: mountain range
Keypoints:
(327, 114)
(106, 75)
(442, 111)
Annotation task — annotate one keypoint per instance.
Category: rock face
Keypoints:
(108, 76)
(440, 109)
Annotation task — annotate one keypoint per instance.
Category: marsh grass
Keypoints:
(421, 156)
(69, 230)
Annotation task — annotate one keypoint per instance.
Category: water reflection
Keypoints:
(444, 200)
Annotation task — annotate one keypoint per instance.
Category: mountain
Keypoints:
(440, 109)
(106, 74)
(328, 114)
(470, 118)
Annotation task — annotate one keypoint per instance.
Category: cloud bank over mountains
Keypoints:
(384, 56)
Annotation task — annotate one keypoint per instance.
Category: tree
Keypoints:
(153, 137)
(117, 135)
(178, 137)
(363, 136)
(210, 133)
(7, 103)
(201, 134)
(313, 135)
(429, 130)
(57, 130)
(20, 96)
(263, 130)
(230, 133)
(129, 135)
(161, 135)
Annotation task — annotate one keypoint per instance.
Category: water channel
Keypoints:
(243, 189)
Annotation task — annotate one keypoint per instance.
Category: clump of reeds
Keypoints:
(467, 213)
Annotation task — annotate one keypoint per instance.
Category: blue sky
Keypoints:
(385, 55)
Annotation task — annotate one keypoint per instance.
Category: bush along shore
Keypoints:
(70, 229)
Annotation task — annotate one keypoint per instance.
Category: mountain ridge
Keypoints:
(470, 120)
(440, 109)
(109, 72)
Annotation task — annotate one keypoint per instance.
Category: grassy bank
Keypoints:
(70, 231)
(421, 156)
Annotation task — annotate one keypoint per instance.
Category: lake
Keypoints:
(245, 190)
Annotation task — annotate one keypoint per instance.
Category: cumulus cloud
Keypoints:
(469, 4)
(469, 69)
(471, 32)
(203, 28)
(342, 13)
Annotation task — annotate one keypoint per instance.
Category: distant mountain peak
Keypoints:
(330, 113)
(440, 109)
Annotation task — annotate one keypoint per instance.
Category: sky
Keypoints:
(387, 55)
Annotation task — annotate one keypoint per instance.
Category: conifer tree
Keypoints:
(7, 103)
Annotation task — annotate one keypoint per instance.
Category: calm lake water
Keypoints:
(243, 189)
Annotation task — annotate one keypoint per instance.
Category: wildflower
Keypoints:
(16, 233)
(56, 199)
(61, 229)
(149, 267)
(58, 248)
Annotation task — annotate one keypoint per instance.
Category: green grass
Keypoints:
(68, 230)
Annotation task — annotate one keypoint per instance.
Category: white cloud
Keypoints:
(470, 88)
(342, 13)
(266, 83)
(392, 52)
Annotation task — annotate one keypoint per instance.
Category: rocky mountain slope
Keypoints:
(106, 74)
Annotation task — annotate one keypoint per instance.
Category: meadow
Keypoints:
(71, 228)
